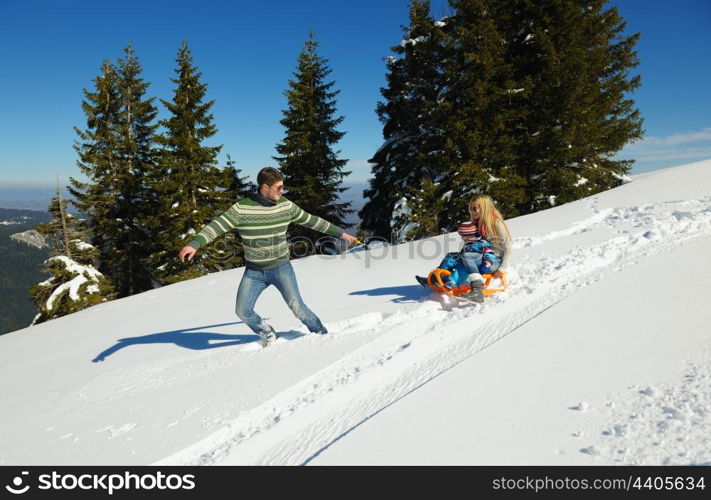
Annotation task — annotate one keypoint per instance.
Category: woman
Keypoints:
(487, 248)
(492, 227)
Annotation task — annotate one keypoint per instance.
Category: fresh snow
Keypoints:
(82, 275)
(83, 245)
(401, 209)
(187, 234)
(74, 267)
(412, 41)
(597, 354)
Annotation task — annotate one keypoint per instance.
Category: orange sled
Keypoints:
(434, 280)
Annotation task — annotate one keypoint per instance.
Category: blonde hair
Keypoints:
(488, 214)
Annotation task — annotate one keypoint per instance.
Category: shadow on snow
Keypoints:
(187, 338)
(408, 293)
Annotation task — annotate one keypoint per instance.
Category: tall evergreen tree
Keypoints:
(576, 66)
(75, 283)
(191, 189)
(419, 213)
(313, 172)
(98, 153)
(478, 118)
(137, 128)
(412, 125)
(532, 104)
(116, 154)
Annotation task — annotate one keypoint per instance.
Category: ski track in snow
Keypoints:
(576, 228)
(297, 424)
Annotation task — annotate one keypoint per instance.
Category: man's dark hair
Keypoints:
(269, 176)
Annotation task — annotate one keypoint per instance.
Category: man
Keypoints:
(262, 220)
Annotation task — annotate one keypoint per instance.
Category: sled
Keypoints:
(434, 280)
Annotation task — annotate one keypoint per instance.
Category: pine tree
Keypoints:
(412, 119)
(137, 128)
(191, 189)
(75, 283)
(116, 153)
(532, 105)
(313, 173)
(98, 152)
(577, 66)
(418, 213)
(481, 109)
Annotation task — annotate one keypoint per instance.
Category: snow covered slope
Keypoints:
(597, 354)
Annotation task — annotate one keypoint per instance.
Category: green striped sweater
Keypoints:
(262, 229)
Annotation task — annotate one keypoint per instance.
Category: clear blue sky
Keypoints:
(247, 51)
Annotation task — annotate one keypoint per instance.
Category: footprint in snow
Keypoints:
(590, 450)
(649, 391)
(582, 406)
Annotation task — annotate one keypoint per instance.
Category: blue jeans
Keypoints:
(254, 282)
(474, 262)
(462, 265)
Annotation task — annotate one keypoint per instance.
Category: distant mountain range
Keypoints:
(355, 196)
(38, 198)
(21, 266)
(31, 237)
(26, 197)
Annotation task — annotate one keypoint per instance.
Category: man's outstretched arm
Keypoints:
(219, 226)
(316, 223)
